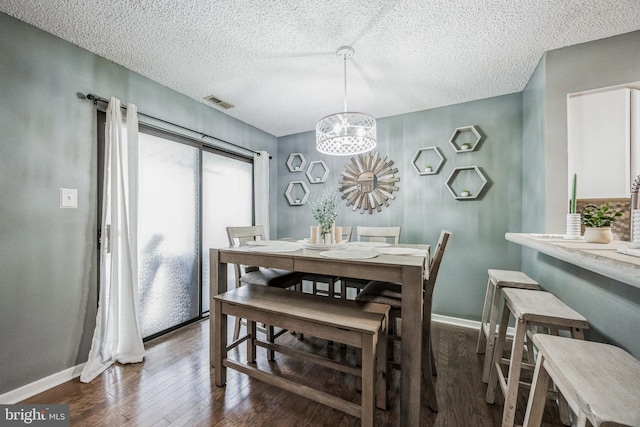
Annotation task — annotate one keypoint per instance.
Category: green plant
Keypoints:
(599, 217)
(325, 209)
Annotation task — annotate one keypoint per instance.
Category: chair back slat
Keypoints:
(378, 234)
(346, 232)
(239, 236)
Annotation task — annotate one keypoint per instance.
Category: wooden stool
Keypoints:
(498, 279)
(601, 382)
(531, 309)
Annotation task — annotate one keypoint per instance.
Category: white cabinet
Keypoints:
(604, 141)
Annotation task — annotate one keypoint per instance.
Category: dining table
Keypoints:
(404, 264)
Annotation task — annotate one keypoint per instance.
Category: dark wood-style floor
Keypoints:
(174, 386)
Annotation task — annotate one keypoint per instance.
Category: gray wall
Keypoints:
(612, 308)
(47, 141)
(423, 205)
(533, 160)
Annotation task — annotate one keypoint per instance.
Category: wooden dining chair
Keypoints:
(391, 294)
(330, 281)
(346, 232)
(378, 234)
(369, 234)
(239, 236)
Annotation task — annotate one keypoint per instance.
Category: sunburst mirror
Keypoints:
(369, 182)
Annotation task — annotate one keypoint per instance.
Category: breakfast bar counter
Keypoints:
(604, 259)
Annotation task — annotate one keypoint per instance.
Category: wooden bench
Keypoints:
(363, 326)
(601, 382)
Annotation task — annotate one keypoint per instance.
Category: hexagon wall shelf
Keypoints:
(317, 172)
(469, 179)
(296, 162)
(297, 193)
(465, 139)
(427, 161)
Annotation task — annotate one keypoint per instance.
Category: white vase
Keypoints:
(573, 226)
(598, 235)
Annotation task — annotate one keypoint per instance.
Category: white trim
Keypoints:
(36, 387)
(456, 321)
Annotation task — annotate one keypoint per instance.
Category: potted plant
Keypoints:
(325, 209)
(465, 193)
(428, 168)
(597, 222)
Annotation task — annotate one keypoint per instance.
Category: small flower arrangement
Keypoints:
(325, 209)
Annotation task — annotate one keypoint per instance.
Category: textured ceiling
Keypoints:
(275, 59)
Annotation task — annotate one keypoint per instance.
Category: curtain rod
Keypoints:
(96, 99)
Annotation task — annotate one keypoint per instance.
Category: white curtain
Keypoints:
(117, 336)
(261, 189)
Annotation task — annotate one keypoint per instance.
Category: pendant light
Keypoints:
(346, 133)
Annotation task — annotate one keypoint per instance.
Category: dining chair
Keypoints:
(391, 294)
(330, 281)
(369, 234)
(239, 236)
(346, 232)
(378, 234)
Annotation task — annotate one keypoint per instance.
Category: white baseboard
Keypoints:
(456, 321)
(36, 387)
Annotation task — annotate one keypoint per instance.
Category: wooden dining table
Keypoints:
(409, 270)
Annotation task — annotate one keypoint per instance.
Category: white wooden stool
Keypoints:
(532, 310)
(498, 279)
(601, 382)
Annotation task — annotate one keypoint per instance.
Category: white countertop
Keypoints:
(597, 257)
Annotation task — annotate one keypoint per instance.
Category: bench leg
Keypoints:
(220, 343)
(537, 395)
(382, 384)
(368, 379)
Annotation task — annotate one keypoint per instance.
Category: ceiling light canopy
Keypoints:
(346, 133)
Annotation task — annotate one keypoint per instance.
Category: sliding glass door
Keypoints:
(168, 233)
(227, 200)
(188, 194)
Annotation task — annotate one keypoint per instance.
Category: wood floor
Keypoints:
(174, 386)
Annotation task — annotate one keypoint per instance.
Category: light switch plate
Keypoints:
(69, 198)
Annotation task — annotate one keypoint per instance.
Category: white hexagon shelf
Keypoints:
(466, 182)
(297, 193)
(296, 162)
(465, 139)
(317, 172)
(427, 161)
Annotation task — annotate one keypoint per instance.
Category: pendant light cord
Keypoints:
(345, 82)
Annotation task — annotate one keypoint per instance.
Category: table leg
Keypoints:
(411, 361)
(219, 342)
(217, 285)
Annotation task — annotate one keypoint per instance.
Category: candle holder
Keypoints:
(635, 229)
(573, 226)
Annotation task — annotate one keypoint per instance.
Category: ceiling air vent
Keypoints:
(219, 102)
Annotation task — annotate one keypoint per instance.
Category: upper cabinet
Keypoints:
(603, 147)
